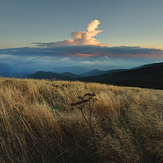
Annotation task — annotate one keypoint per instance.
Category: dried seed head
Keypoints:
(79, 97)
(90, 94)
(80, 102)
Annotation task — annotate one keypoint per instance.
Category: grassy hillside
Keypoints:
(145, 77)
(39, 124)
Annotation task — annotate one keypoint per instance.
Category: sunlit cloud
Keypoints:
(66, 59)
(84, 55)
(79, 37)
(83, 48)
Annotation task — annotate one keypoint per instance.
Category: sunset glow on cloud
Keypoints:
(67, 33)
(79, 37)
(84, 55)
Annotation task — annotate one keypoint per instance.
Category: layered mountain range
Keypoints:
(146, 76)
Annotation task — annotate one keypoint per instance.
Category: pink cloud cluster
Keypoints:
(80, 37)
(86, 38)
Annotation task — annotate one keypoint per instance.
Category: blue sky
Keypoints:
(125, 23)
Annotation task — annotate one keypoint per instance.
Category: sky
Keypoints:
(72, 32)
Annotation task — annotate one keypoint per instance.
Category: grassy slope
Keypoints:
(144, 77)
(38, 124)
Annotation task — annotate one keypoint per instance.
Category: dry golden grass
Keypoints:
(38, 123)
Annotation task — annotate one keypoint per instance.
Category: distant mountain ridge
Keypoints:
(83, 69)
(146, 76)
(5, 67)
(147, 65)
(52, 75)
(94, 72)
(7, 70)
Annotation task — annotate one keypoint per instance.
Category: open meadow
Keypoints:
(45, 121)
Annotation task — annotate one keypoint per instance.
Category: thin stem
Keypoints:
(90, 116)
(103, 137)
(85, 117)
(90, 128)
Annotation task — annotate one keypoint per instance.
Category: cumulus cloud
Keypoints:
(79, 37)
